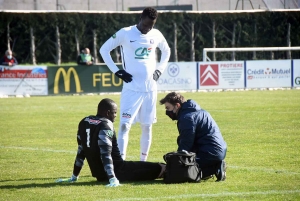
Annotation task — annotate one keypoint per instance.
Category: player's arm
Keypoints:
(113, 42)
(105, 145)
(80, 157)
(105, 142)
(78, 164)
(165, 54)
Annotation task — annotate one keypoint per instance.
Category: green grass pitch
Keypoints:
(262, 130)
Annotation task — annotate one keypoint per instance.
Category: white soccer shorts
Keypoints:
(138, 107)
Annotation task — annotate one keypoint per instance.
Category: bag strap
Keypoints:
(180, 154)
(187, 164)
(199, 174)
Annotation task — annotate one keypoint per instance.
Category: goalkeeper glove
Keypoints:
(156, 75)
(113, 182)
(70, 180)
(122, 74)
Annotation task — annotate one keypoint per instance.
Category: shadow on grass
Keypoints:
(79, 183)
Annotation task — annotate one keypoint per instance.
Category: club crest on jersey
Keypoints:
(114, 36)
(92, 121)
(151, 41)
(125, 115)
(143, 52)
(109, 133)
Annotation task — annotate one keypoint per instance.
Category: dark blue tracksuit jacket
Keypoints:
(199, 133)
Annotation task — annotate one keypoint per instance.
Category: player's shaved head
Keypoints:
(107, 108)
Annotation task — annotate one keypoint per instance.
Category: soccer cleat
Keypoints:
(221, 171)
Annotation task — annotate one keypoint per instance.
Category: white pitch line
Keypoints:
(155, 159)
(38, 149)
(177, 197)
(263, 169)
(257, 111)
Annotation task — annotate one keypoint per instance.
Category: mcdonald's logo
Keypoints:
(66, 77)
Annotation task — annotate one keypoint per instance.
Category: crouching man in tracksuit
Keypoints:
(198, 133)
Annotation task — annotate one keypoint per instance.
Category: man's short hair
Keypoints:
(150, 12)
(104, 105)
(173, 98)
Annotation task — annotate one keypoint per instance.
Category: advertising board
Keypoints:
(221, 75)
(178, 76)
(296, 73)
(268, 74)
(23, 80)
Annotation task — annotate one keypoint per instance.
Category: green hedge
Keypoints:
(271, 31)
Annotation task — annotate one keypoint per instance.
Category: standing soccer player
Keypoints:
(140, 73)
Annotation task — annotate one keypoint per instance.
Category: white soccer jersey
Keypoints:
(138, 56)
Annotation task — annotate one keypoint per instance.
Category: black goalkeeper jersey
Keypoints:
(97, 143)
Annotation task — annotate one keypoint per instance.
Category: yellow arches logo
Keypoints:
(66, 77)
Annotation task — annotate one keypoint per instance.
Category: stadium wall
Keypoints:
(178, 76)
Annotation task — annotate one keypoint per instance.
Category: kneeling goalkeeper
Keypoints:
(98, 144)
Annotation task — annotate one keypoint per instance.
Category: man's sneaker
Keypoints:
(221, 171)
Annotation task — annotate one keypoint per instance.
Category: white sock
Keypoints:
(123, 137)
(146, 139)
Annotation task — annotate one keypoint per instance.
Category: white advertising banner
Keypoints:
(221, 75)
(296, 73)
(271, 73)
(23, 80)
(178, 76)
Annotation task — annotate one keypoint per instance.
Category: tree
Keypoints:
(188, 28)
(32, 46)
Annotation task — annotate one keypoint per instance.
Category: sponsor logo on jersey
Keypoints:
(92, 121)
(126, 115)
(209, 75)
(132, 41)
(142, 52)
(109, 133)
